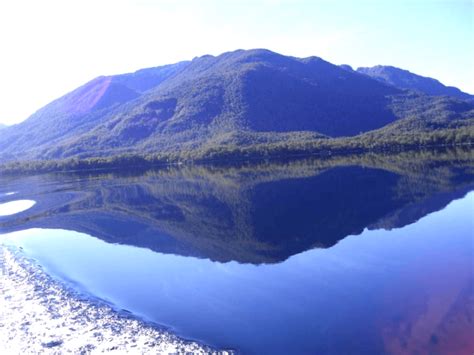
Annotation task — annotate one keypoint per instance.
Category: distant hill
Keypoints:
(404, 79)
(245, 98)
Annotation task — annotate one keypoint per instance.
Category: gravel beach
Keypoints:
(39, 314)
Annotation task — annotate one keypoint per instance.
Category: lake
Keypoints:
(360, 255)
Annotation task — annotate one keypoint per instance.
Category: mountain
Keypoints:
(3, 126)
(404, 79)
(81, 110)
(246, 98)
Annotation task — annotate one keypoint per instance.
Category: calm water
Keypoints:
(363, 256)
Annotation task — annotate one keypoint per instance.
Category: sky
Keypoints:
(50, 47)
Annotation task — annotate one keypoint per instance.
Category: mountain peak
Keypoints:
(407, 80)
(346, 67)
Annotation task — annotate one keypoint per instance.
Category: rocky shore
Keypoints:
(39, 314)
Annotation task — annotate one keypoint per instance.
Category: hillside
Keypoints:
(238, 99)
(404, 79)
(81, 110)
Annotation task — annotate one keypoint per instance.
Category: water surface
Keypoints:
(359, 256)
(14, 207)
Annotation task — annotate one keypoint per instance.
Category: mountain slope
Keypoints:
(236, 99)
(246, 94)
(404, 79)
(439, 113)
(81, 110)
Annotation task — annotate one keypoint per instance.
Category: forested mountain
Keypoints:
(245, 98)
(81, 110)
(404, 79)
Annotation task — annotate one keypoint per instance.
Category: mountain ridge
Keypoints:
(405, 79)
(238, 99)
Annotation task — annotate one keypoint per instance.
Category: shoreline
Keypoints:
(39, 314)
(143, 163)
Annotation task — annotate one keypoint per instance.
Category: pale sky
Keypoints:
(50, 47)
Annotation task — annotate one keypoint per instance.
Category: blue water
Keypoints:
(404, 285)
(310, 302)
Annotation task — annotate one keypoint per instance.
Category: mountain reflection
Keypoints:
(258, 213)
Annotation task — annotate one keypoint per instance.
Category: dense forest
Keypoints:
(360, 145)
